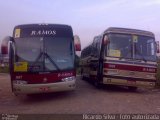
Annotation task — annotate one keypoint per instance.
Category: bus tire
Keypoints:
(131, 88)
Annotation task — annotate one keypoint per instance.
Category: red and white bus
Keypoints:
(41, 58)
(121, 56)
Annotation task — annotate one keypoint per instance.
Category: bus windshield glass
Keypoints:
(128, 46)
(45, 53)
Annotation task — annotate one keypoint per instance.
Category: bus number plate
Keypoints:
(44, 89)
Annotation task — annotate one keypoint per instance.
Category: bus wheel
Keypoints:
(131, 88)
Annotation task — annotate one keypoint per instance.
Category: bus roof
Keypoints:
(128, 31)
(42, 25)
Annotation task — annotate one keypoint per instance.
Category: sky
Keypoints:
(88, 18)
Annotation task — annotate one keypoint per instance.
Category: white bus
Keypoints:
(121, 56)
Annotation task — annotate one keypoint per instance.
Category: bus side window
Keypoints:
(86, 52)
(94, 50)
(97, 47)
(82, 54)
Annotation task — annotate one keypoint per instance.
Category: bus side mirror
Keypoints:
(4, 45)
(106, 40)
(78, 47)
(157, 43)
(77, 43)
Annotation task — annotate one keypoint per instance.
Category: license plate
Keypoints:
(44, 89)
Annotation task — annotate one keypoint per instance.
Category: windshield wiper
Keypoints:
(52, 61)
(39, 56)
(47, 56)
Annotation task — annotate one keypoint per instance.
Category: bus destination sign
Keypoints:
(42, 32)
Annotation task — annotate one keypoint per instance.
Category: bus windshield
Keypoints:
(45, 53)
(128, 46)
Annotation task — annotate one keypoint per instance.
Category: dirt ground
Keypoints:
(85, 99)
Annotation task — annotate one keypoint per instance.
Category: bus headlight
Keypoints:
(68, 79)
(20, 82)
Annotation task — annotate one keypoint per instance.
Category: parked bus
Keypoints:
(41, 58)
(121, 56)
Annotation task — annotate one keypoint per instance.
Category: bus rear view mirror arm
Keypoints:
(106, 41)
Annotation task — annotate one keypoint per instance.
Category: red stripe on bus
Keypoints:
(36, 78)
(130, 67)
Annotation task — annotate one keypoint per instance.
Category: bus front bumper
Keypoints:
(124, 82)
(43, 88)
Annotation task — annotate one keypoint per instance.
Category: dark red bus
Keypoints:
(41, 58)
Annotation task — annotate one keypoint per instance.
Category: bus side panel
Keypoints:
(86, 67)
(128, 75)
